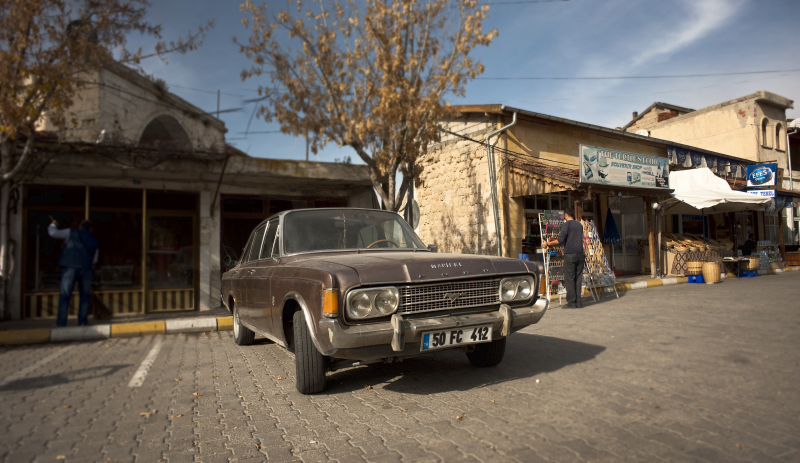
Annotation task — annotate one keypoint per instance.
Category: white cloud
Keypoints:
(702, 17)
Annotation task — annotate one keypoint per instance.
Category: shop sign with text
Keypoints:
(618, 168)
(763, 193)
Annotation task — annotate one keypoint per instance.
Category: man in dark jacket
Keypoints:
(80, 253)
(749, 245)
(571, 237)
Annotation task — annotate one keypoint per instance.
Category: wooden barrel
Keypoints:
(694, 267)
(711, 272)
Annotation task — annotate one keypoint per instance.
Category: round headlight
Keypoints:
(524, 290)
(386, 302)
(509, 290)
(360, 305)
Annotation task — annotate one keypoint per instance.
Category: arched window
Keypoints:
(778, 136)
(165, 132)
(764, 133)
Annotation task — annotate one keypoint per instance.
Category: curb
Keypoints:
(121, 330)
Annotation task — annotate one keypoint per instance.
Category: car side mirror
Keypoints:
(432, 247)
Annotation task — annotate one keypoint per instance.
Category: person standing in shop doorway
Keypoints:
(79, 255)
(571, 237)
(749, 245)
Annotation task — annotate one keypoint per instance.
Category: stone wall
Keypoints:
(453, 191)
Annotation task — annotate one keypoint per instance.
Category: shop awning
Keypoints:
(699, 190)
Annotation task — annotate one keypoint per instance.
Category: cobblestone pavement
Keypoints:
(682, 373)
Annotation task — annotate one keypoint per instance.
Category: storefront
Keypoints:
(145, 265)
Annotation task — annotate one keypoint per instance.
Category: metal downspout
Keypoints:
(789, 157)
(492, 180)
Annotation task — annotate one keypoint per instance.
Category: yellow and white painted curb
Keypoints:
(120, 330)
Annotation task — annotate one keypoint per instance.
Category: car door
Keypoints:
(261, 310)
(237, 283)
(247, 275)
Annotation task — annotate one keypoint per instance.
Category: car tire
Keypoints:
(488, 354)
(309, 362)
(242, 335)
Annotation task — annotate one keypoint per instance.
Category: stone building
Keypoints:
(537, 162)
(172, 204)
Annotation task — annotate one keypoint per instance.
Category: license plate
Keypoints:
(456, 337)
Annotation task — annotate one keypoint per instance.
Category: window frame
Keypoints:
(261, 255)
(255, 232)
(779, 136)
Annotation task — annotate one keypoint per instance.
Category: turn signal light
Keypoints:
(330, 302)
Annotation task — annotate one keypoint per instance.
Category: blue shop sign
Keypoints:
(762, 175)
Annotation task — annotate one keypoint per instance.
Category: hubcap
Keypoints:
(235, 322)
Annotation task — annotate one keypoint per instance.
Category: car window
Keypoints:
(269, 238)
(342, 229)
(256, 247)
(276, 247)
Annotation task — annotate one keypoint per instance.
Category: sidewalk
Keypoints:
(42, 330)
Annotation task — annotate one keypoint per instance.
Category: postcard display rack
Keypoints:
(596, 272)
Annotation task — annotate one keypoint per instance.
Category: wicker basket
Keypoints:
(711, 272)
(755, 262)
(694, 267)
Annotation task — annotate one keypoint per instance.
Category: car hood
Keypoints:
(412, 267)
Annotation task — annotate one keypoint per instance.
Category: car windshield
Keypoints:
(339, 229)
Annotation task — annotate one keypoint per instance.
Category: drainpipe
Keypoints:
(493, 179)
(789, 156)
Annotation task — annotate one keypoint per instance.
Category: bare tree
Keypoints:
(370, 76)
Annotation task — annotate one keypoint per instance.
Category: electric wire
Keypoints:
(673, 76)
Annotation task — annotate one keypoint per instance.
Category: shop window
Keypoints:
(530, 202)
(120, 260)
(542, 202)
(57, 196)
(115, 198)
(42, 272)
(171, 251)
(171, 201)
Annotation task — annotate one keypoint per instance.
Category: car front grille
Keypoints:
(439, 296)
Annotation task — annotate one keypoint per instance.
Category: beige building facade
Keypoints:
(751, 127)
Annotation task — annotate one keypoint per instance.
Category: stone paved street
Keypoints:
(681, 373)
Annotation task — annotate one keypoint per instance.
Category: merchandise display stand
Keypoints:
(600, 273)
(553, 258)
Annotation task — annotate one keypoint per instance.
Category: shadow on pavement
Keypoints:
(527, 355)
(62, 378)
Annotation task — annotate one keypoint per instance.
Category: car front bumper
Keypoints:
(401, 337)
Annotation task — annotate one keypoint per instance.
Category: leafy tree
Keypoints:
(46, 49)
(370, 76)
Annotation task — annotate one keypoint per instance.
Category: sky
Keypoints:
(543, 39)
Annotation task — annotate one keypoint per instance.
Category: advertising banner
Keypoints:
(610, 167)
(762, 175)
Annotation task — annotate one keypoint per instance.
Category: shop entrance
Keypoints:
(631, 221)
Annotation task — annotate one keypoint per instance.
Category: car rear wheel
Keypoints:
(309, 362)
(242, 335)
(488, 354)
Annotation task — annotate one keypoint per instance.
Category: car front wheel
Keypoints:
(242, 335)
(309, 362)
(488, 354)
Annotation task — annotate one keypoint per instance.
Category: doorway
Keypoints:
(629, 215)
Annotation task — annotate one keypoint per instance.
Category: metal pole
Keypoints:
(492, 180)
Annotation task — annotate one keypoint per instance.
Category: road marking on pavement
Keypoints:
(30, 368)
(138, 377)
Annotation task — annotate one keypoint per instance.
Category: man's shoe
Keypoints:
(570, 306)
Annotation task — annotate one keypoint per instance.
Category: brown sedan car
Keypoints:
(342, 287)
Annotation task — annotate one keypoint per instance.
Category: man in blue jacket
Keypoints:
(80, 253)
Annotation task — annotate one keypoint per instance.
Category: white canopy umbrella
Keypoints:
(699, 191)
